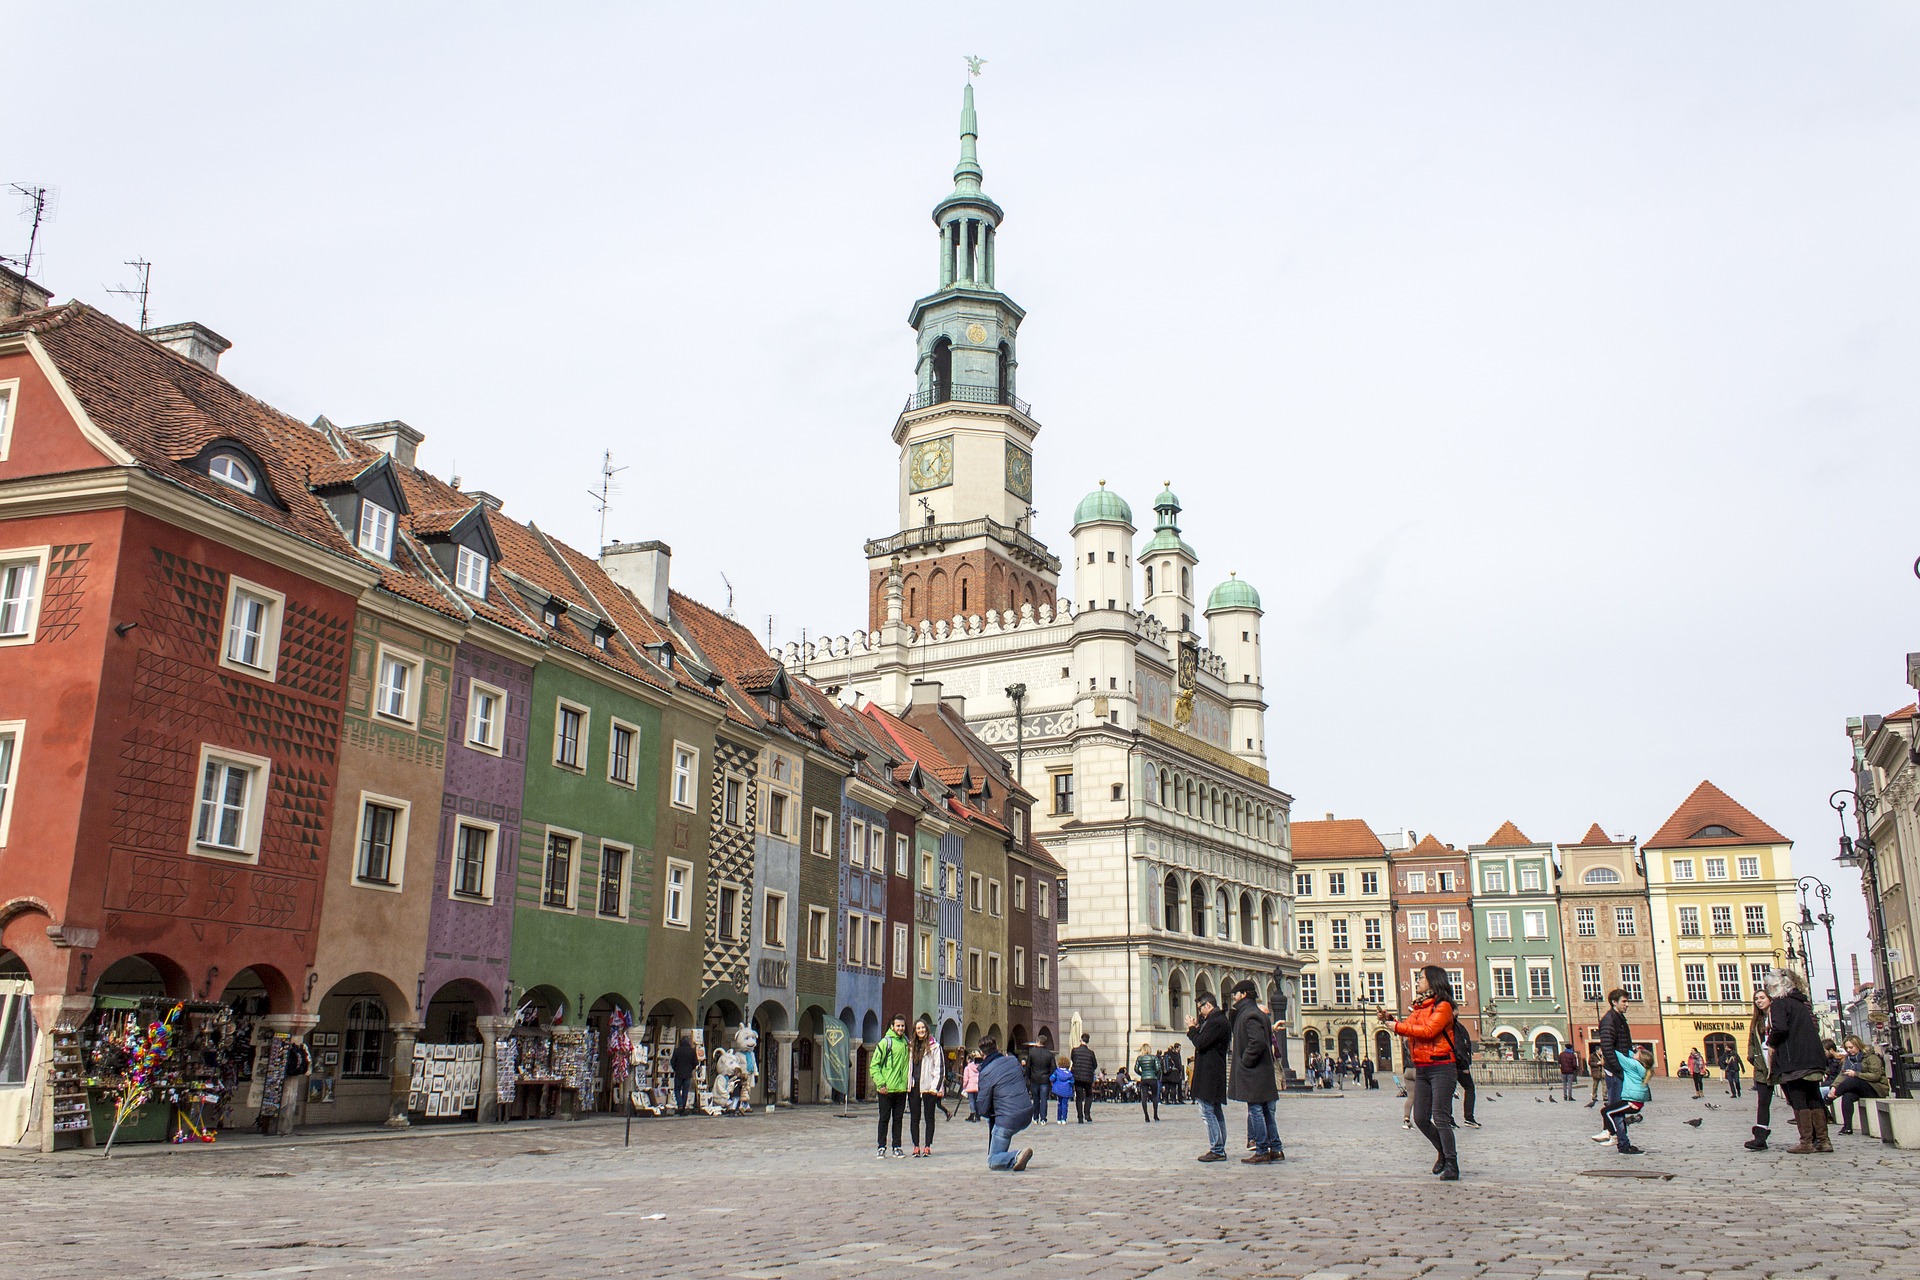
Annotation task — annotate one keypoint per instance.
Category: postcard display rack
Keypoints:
(653, 1070)
(66, 1082)
(446, 1080)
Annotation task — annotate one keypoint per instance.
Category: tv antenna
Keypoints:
(603, 495)
(144, 270)
(729, 582)
(40, 204)
(773, 624)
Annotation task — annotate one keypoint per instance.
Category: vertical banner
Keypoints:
(836, 1057)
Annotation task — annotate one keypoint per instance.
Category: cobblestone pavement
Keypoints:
(802, 1195)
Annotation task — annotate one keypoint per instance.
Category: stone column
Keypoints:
(783, 1080)
(401, 1076)
(946, 254)
(491, 1029)
(297, 1026)
(52, 1012)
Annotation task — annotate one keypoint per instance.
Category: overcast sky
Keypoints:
(1549, 369)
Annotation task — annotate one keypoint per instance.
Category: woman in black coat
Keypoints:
(1211, 1036)
(1798, 1063)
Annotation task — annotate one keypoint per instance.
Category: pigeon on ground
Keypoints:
(1693, 1123)
(1539, 1099)
(1499, 1095)
(1553, 1097)
(1712, 1106)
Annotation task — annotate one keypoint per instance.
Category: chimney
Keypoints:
(19, 295)
(485, 499)
(642, 568)
(926, 693)
(396, 439)
(957, 702)
(194, 341)
(1329, 817)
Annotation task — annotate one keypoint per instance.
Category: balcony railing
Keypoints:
(966, 394)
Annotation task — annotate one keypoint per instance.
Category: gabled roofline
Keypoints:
(29, 342)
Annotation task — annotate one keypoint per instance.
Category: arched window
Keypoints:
(1223, 908)
(1165, 790)
(228, 469)
(1216, 806)
(1266, 923)
(1149, 579)
(1197, 899)
(942, 371)
(1601, 875)
(1246, 919)
(1176, 998)
(363, 1052)
(1171, 889)
(1191, 812)
(1186, 585)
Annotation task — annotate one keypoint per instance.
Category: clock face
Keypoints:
(930, 464)
(1019, 472)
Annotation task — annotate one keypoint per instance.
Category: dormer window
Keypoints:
(552, 616)
(228, 469)
(470, 572)
(376, 529)
(599, 639)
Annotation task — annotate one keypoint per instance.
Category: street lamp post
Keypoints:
(1860, 854)
(1807, 919)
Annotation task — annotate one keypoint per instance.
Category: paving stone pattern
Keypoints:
(802, 1195)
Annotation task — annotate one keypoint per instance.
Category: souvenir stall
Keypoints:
(653, 1068)
(617, 1057)
(446, 1082)
(545, 1071)
(156, 1069)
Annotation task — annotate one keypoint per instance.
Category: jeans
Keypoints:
(1039, 1091)
(893, 1106)
(1150, 1092)
(973, 1103)
(1060, 1100)
(1216, 1120)
(921, 1106)
(680, 1086)
(998, 1140)
(1733, 1086)
(1567, 1080)
(1083, 1101)
(1433, 1088)
(1614, 1085)
(1598, 1081)
(1261, 1129)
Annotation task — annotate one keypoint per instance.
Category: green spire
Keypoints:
(1166, 525)
(966, 174)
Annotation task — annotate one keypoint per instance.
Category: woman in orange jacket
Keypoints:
(1429, 1031)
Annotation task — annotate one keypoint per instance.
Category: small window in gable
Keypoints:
(228, 469)
(376, 529)
(470, 572)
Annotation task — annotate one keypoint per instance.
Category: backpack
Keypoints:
(1462, 1045)
(299, 1061)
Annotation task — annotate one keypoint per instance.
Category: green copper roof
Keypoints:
(967, 174)
(1233, 594)
(1167, 498)
(1166, 531)
(1102, 504)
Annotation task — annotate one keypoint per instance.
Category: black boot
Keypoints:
(1758, 1142)
(1451, 1172)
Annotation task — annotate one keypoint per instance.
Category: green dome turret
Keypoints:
(1103, 505)
(1166, 525)
(1233, 594)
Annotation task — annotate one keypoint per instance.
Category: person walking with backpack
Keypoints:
(889, 1069)
(1429, 1031)
(1146, 1069)
(1085, 1068)
(1252, 1080)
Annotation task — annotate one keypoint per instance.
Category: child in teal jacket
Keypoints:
(1634, 1096)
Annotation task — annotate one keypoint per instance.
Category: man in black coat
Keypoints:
(1085, 1067)
(1211, 1036)
(1039, 1077)
(1616, 1038)
(1252, 1081)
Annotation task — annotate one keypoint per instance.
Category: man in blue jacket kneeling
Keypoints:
(1005, 1104)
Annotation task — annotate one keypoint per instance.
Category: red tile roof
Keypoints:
(1710, 806)
(429, 524)
(1507, 837)
(1335, 838)
(1595, 836)
(1905, 713)
(1429, 845)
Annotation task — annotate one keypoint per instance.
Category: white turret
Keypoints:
(1103, 644)
(1233, 632)
(1169, 564)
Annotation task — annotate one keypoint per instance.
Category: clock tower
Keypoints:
(965, 543)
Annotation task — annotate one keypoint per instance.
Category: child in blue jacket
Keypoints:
(1062, 1085)
(1634, 1096)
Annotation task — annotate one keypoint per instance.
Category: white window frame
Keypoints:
(822, 822)
(1372, 936)
(774, 817)
(14, 734)
(38, 558)
(233, 471)
(900, 958)
(995, 975)
(465, 576)
(1043, 899)
(1417, 927)
(902, 855)
(1689, 913)
(1303, 884)
(1747, 912)
(1303, 934)
(9, 405)
(1586, 922)
(496, 743)
(1310, 989)
(485, 894)
(397, 855)
(375, 535)
(1342, 987)
(1447, 928)
(1527, 921)
(1595, 991)
(950, 959)
(877, 849)
(773, 920)
(573, 868)
(1019, 893)
(1539, 966)
(1339, 936)
(929, 860)
(923, 952)
(384, 655)
(1632, 981)
(632, 780)
(976, 969)
(1529, 879)
(275, 610)
(1749, 867)
(1687, 976)
(733, 795)
(819, 935)
(1631, 919)
(1721, 986)
(1495, 879)
(1369, 883)
(1336, 884)
(1416, 882)
(995, 900)
(1499, 926)
(740, 905)
(1683, 868)
(976, 891)
(856, 939)
(1446, 881)
(857, 843)
(686, 767)
(684, 895)
(583, 742)
(876, 940)
(1721, 913)
(1494, 971)
(253, 815)
(623, 904)
(1716, 868)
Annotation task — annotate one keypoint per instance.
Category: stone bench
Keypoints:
(1894, 1120)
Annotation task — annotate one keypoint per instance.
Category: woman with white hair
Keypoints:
(1797, 1061)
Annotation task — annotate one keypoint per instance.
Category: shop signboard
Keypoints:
(836, 1057)
(1904, 1012)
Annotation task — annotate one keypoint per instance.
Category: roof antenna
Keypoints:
(773, 624)
(601, 495)
(143, 269)
(729, 613)
(40, 204)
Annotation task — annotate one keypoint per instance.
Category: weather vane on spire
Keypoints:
(973, 65)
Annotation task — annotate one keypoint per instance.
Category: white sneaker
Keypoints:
(1603, 1137)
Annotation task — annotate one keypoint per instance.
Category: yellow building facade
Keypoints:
(1720, 885)
(1343, 937)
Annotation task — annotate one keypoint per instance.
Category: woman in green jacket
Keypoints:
(887, 1068)
(1146, 1069)
(1762, 1077)
(1864, 1075)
